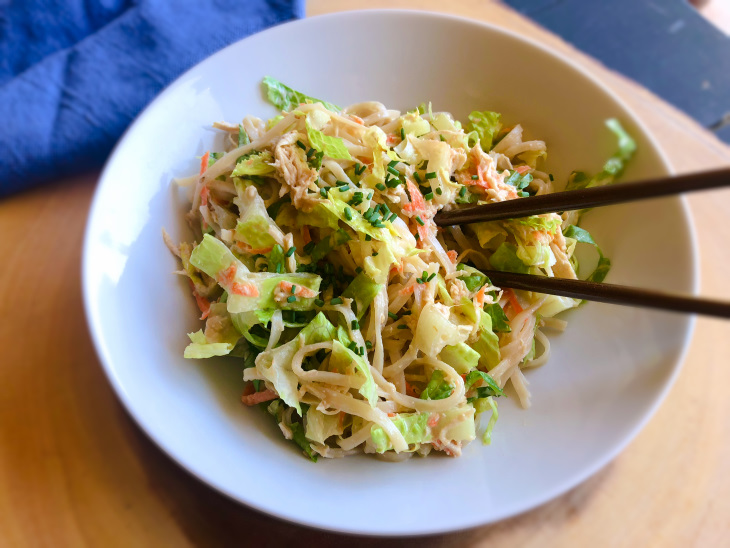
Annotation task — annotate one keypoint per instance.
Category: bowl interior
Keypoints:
(607, 373)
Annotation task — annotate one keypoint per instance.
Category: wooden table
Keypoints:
(75, 470)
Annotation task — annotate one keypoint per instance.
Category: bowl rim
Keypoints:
(106, 359)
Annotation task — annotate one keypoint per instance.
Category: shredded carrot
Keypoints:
(306, 237)
(512, 298)
(522, 169)
(410, 390)
(357, 119)
(392, 139)
(259, 397)
(300, 291)
(202, 302)
(433, 420)
(407, 289)
(204, 193)
(226, 277)
(204, 162)
(244, 289)
(479, 297)
(453, 255)
(417, 203)
(253, 250)
(391, 415)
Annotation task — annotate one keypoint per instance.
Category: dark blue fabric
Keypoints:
(665, 45)
(74, 73)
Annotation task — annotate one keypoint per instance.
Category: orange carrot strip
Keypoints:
(259, 397)
(204, 162)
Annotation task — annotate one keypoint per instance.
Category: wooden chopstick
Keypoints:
(609, 293)
(585, 198)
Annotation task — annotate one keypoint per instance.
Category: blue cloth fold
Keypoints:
(75, 73)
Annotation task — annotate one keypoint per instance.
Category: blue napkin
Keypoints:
(74, 73)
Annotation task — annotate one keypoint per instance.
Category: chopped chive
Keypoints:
(392, 183)
(439, 191)
(393, 163)
(368, 213)
(442, 138)
(380, 187)
(360, 351)
(336, 300)
(392, 316)
(393, 217)
(308, 248)
(393, 171)
(428, 196)
(402, 134)
(523, 194)
(290, 251)
(405, 313)
(354, 324)
(301, 145)
(424, 275)
(551, 177)
(375, 254)
(323, 192)
(352, 346)
(343, 188)
(475, 177)
(417, 236)
(377, 208)
(402, 326)
(318, 302)
(370, 194)
(310, 152)
(417, 177)
(431, 175)
(279, 268)
(419, 220)
(358, 269)
(431, 277)
(291, 299)
(368, 344)
(462, 192)
(293, 289)
(378, 224)
(348, 213)
(424, 165)
(368, 237)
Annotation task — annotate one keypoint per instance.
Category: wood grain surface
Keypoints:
(76, 471)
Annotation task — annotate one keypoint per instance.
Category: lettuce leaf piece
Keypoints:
(344, 360)
(244, 321)
(321, 426)
(461, 357)
(355, 220)
(285, 98)
(275, 364)
(332, 147)
(604, 263)
(474, 279)
(458, 423)
(437, 388)
(213, 257)
(488, 343)
(254, 164)
(506, 259)
(267, 285)
(490, 388)
(414, 125)
(300, 438)
(500, 323)
(434, 331)
(549, 223)
(378, 267)
(199, 347)
(518, 180)
(362, 290)
(487, 125)
(613, 167)
(481, 405)
(253, 226)
(325, 245)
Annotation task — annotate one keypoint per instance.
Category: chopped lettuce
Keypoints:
(325, 245)
(473, 279)
(461, 357)
(500, 323)
(213, 257)
(604, 263)
(506, 259)
(321, 426)
(344, 359)
(253, 227)
(362, 290)
(332, 147)
(300, 438)
(254, 164)
(490, 388)
(488, 343)
(285, 98)
(275, 364)
(268, 292)
(434, 331)
(481, 407)
(437, 387)
(199, 347)
(486, 124)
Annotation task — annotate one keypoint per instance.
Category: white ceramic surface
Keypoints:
(609, 370)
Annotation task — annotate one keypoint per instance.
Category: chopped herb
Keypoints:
(368, 237)
(392, 183)
(402, 134)
(279, 268)
(475, 177)
(462, 191)
(358, 270)
(344, 188)
(291, 299)
(293, 289)
(431, 175)
(380, 187)
(352, 346)
(290, 251)
(431, 277)
(335, 301)
(428, 196)
(392, 316)
(417, 236)
(318, 302)
(551, 177)
(419, 220)
(370, 195)
(348, 213)
(402, 326)
(301, 145)
(393, 163)
(378, 224)
(375, 254)
(393, 217)
(442, 137)
(439, 191)
(354, 324)
(310, 152)
(417, 177)
(308, 248)
(368, 344)
(523, 194)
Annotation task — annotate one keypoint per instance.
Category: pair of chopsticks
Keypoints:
(588, 198)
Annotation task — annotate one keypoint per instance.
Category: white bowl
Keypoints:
(608, 372)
